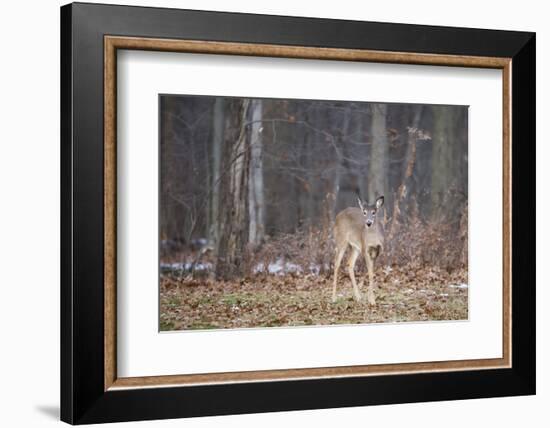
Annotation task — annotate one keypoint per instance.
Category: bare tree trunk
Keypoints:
(233, 228)
(341, 162)
(363, 153)
(408, 168)
(443, 162)
(378, 169)
(256, 206)
(170, 226)
(166, 230)
(217, 147)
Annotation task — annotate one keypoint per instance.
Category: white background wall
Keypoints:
(29, 219)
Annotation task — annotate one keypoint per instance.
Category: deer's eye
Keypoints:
(374, 212)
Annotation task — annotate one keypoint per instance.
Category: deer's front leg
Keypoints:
(351, 266)
(369, 261)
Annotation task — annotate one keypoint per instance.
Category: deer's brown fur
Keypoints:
(359, 229)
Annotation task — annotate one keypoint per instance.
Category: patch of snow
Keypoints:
(314, 269)
(187, 266)
(458, 286)
(281, 267)
(199, 241)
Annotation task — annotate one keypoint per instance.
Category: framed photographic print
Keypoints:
(265, 213)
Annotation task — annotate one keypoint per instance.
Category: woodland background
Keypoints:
(250, 189)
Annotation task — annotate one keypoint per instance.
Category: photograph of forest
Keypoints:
(289, 212)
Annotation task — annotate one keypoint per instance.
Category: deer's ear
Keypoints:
(360, 203)
(379, 202)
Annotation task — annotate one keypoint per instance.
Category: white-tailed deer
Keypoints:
(358, 228)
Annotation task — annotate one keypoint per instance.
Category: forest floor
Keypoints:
(404, 293)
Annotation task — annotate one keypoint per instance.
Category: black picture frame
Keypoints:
(83, 398)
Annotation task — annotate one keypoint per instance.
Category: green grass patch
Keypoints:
(232, 300)
(200, 325)
(166, 325)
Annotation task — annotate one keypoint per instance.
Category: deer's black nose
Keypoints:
(369, 223)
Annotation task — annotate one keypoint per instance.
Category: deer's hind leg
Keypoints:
(351, 265)
(340, 250)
